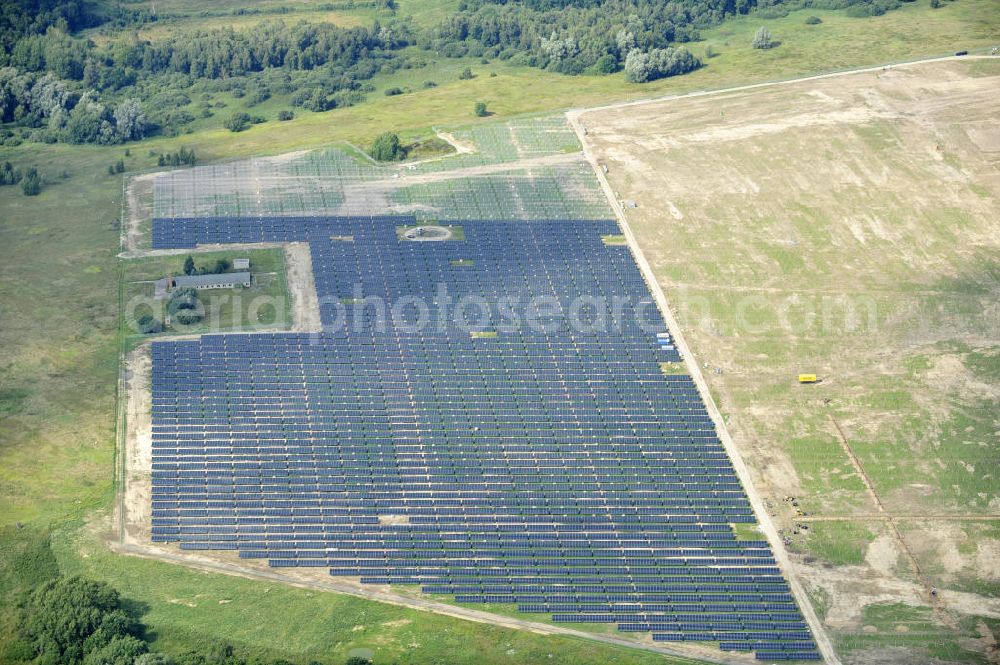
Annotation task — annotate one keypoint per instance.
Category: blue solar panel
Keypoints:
(549, 463)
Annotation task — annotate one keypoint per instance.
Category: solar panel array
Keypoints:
(331, 182)
(529, 455)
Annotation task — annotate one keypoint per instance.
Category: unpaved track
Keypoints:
(460, 147)
(302, 288)
(763, 518)
(575, 113)
(136, 494)
(870, 488)
(883, 517)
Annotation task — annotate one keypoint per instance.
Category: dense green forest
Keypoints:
(56, 85)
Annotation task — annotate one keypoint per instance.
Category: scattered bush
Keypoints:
(237, 122)
(187, 317)
(641, 67)
(392, 92)
(480, 110)
(148, 324)
(285, 114)
(31, 185)
(258, 96)
(813, 20)
(182, 157)
(9, 175)
(466, 75)
(606, 64)
(387, 148)
(762, 39)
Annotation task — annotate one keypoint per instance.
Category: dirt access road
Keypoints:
(874, 194)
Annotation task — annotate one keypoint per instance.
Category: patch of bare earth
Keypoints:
(302, 288)
(841, 226)
(137, 495)
(138, 211)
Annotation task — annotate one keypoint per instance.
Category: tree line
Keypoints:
(67, 88)
(71, 89)
(75, 621)
(571, 36)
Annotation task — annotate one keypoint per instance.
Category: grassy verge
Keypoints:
(185, 609)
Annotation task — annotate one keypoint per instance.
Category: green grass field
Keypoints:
(59, 331)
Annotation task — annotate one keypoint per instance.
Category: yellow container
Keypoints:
(807, 378)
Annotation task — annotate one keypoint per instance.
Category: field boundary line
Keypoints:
(416, 603)
(823, 641)
(576, 112)
(120, 462)
(886, 516)
(889, 519)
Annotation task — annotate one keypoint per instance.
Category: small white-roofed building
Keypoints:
(224, 280)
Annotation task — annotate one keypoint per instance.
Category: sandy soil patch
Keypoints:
(876, 193)
(137, 498)
(461, 147)
(138, 210)
(302, 288)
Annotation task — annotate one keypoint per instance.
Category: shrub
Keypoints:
(187, 317)
(285, 114)
(466, 74)
(658, 63)
(9, 175)
(480, 110)
(606, 64)
(258, 96)
(813, 20)
(762, 39)
(237, 122)
(148, 324)
(387, 148)
(31, 185)
(392, 92)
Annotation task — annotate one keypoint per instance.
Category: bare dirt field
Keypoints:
(850, 227)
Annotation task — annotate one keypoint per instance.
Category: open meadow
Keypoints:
(847, 227)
